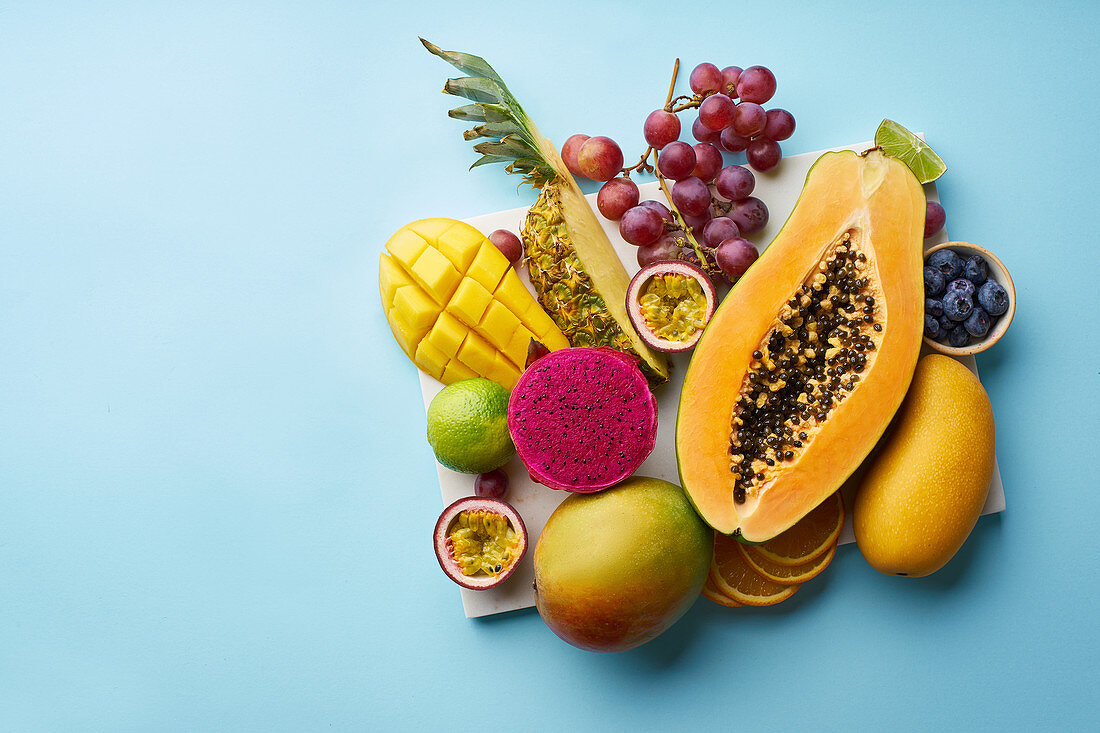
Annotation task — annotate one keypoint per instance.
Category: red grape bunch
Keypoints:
(731, 112)
(713, 209)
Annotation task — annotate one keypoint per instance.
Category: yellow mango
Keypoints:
(927, 484)
(456, 307)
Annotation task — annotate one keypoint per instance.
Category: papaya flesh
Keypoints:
(808, 358)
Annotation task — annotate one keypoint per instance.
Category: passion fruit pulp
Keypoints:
(670, 303)
(479, 541)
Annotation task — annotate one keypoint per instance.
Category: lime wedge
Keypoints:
(897, 142)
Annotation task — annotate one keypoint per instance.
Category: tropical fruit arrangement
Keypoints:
(805, 367)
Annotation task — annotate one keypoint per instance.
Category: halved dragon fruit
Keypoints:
(582, 418)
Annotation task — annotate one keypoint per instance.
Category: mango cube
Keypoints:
(477, 353)
(447, 334)
(488, 267)
(405, 246)
(460, 244)
(390, 277)
(498, 324)
(414, 310)
(436, 275)
(431, 359)
(456, 371)
(469, 302)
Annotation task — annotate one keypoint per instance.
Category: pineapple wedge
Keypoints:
(578, 276)
(456, 307)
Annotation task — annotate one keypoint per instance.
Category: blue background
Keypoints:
(215, 493)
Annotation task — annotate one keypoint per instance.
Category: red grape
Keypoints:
(749, 214)
(780, 125)
(718, 230)
(716, 111)
(661, 128)
(665, 248)
(698, 223)
(733, 142)
(569, 152)
(735, 182)
(641, 225)
(508, 244)
(600, 158)
(493, 485)
(659, 208)
(708, 159)
(705, 78)
(730, 74)
(763, 154)
(934, 218)
(676, 161)
(702, 133)
(691, 196)
(749, 120)
(756, 84)
(734, 256)
(616, 196)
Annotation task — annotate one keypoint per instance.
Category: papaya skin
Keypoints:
(924, 491)
(878, 200)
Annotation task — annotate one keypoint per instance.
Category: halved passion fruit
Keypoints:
(479, 541)
(670, 303)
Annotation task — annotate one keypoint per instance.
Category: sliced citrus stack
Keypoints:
(810, 538)
(786, 573)
(735, 578)
(710, 591)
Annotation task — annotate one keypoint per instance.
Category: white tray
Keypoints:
(779, 190)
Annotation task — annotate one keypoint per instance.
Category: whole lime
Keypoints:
(468, 426)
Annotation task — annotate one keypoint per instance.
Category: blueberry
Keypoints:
(993, 298)
(977, 325)
(933, 307)
(958, 337)
(957, 307)
(931, 327)
(947, 262)
(962, 287)
(933, 281)
(946, 324)
(976, 270)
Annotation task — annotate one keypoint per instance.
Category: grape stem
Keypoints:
(641, 165)
(681, 222)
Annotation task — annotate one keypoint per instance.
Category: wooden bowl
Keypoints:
(998, 273)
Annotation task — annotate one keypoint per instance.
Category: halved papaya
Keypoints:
(805, 362)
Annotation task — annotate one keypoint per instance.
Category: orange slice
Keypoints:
(810, 538)
(786, 573)
(710, 591)
(735, 578)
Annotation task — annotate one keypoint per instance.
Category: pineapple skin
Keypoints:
(565, 289)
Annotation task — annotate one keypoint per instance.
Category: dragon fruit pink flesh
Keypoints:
(582, 418)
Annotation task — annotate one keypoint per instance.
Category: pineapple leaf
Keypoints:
(509, 145)
(494, 130)
(476, 88)
(481, 112)
(487, 159)
(467, 63)
(504, 118)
